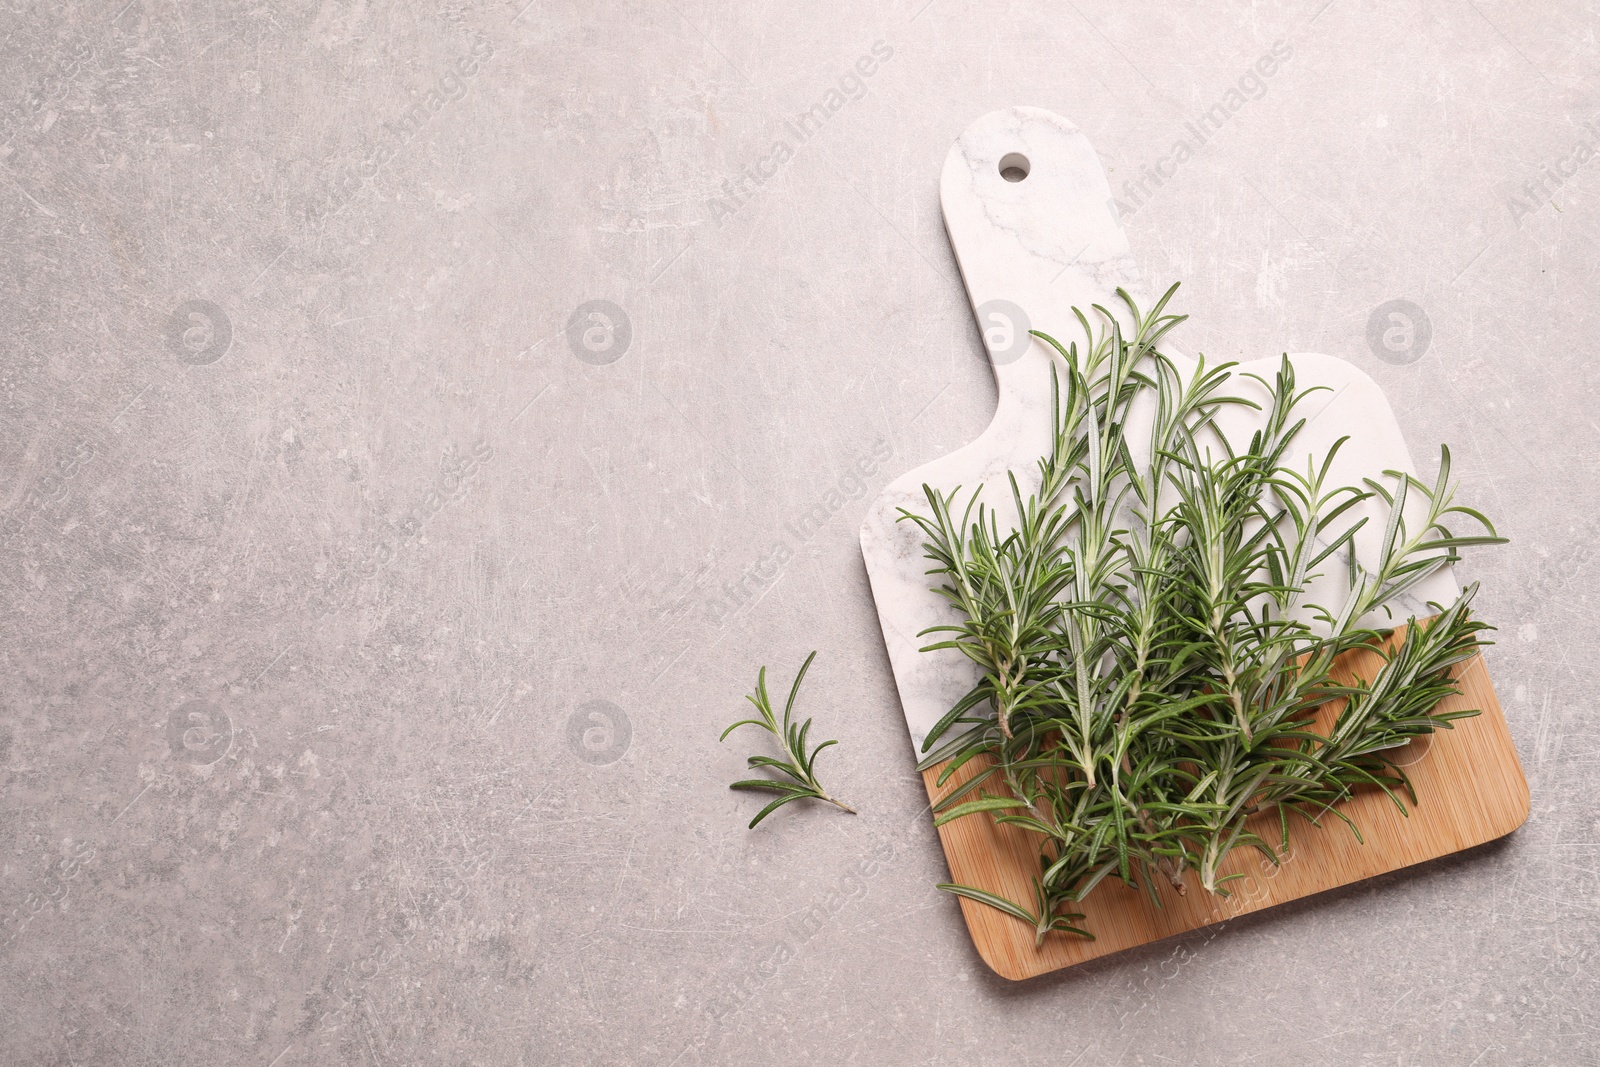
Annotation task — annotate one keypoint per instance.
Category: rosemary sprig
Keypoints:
(800, 767)
(1151, 668)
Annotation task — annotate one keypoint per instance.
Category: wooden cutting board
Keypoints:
(1470, 790)
(1033, 224)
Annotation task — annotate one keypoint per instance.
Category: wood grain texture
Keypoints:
(1470, 790)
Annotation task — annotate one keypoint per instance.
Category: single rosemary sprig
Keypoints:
(1151, 670)
(800, 767)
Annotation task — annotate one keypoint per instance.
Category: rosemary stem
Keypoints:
(841, 805)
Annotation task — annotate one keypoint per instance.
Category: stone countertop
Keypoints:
(417, 426)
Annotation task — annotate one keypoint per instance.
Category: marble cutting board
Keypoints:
(1030, 217)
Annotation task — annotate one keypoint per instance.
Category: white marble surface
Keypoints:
(1048, 243)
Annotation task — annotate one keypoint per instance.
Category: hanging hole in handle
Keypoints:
(1014, 166)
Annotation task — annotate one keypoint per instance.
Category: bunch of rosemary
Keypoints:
(1151, 664)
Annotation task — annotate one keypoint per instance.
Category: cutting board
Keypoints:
(1032, 222)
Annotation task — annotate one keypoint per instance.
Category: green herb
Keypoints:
(800, 768)
(1151, 668)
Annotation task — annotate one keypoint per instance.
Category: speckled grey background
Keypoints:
(367, 631)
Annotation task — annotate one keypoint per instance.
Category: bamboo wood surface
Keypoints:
(1470, 790)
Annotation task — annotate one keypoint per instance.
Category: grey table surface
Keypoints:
(367, 630)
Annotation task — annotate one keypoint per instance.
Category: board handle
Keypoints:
(1035, 231)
